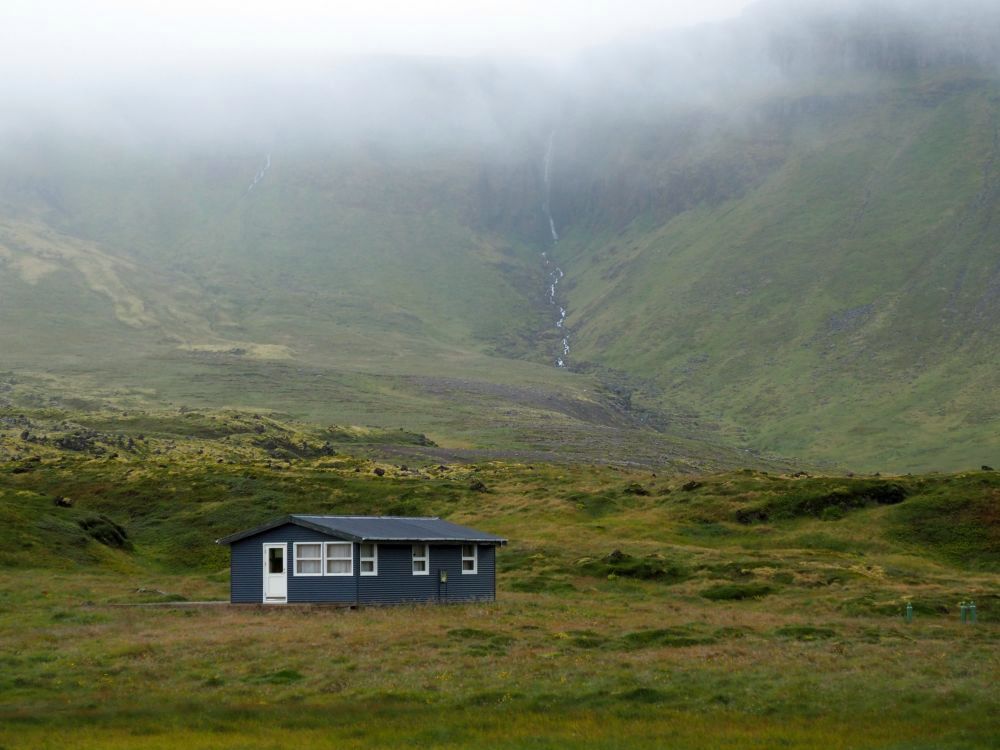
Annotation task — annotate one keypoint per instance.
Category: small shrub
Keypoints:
(731, 631)
(805, 632)
(705, 530)
(587, 639)
(541, 584)
(964, 530)
(482, 642)
(833, 513)
(475, 634)
(739, 570)
(644, 695)
(819, 500)
(651, 568)
(490, 698)
(677, 637)
(102, 529)
(281, 677)
(594, 505)
(737, 591)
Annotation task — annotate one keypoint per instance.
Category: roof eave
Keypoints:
(339, 534)
(428, 540)
(275, 523)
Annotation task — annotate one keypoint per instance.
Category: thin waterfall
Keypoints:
(260, 174)
(555, 272)
(547, 177)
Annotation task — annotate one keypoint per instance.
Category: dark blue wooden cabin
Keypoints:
(361, 560)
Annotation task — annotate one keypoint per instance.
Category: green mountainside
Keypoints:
(843, 302)
(789, 251)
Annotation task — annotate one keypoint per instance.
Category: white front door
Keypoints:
(275, 573)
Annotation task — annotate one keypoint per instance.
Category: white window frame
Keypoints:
(327, 558)
(373, 559)
(474, 557)
(296, 558)
(426, 558)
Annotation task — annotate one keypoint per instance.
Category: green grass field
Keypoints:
(732, 610)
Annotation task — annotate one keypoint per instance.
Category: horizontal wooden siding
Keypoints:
(394, 583)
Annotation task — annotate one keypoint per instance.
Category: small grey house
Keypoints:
(361, 560)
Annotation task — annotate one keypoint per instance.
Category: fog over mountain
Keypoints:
(486, 98)
(401, 98)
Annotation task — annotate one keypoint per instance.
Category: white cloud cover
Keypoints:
(56, 35)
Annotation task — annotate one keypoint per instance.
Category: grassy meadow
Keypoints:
(747, 608)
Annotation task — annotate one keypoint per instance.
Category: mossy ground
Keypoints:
(605, 633)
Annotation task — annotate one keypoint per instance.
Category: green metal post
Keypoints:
(972, 612)
(909, 611)
(964, 611)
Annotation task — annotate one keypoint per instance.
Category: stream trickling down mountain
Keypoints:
(555, 272)
(260, 175)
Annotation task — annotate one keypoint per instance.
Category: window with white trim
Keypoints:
(308, 559)
(421, 559)
(339, 558)
(369, 559)
(470, 558)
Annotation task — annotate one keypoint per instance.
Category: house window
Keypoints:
(470, 558)
(369, 559)
(339, 558)
(421, 559)
(308, 559)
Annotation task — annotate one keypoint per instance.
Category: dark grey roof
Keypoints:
(377, 529)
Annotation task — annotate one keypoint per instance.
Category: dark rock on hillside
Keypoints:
(379, 472)
(690, 486)
(477, 485)
(83, 441)
(987, 468)
(63, 502)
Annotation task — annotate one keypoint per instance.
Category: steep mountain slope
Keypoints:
(839, 295)
(383, 242)
(356, 285)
